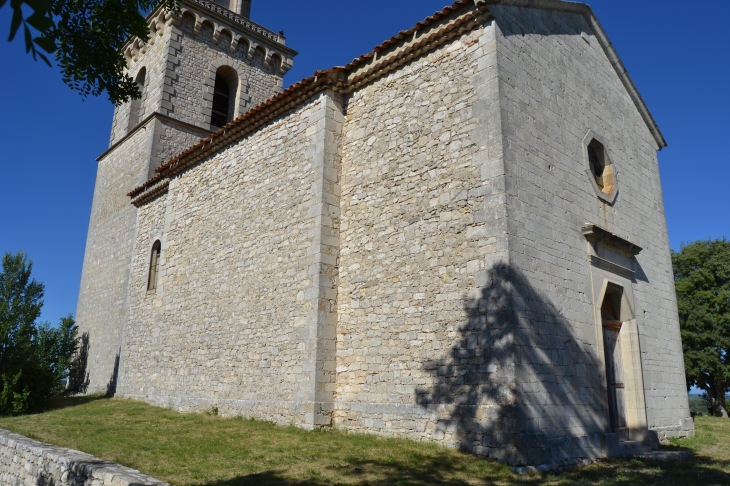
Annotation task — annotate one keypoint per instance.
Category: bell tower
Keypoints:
(201, 68)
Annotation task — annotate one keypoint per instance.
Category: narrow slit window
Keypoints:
(154, 266)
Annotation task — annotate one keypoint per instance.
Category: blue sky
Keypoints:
(677, 55)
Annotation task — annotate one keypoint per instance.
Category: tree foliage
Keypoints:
(34, 358)
(702, 280)
(86, 37)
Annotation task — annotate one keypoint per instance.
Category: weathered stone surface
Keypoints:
(406, 255)
(174, 113)
(26, 461)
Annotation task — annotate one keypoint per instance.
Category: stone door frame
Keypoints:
(611, 263)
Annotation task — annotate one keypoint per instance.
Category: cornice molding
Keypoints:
(426, 36)
(595, 233)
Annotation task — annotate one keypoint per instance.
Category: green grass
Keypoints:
(199, 449)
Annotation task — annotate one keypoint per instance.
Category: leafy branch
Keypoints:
(86, 38)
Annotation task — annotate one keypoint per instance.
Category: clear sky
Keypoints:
(678, 55)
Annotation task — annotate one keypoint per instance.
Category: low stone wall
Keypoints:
(26, 461)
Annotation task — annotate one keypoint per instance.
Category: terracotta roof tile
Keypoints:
(292, 96)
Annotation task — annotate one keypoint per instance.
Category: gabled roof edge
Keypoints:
(587, 12)
(335, 79)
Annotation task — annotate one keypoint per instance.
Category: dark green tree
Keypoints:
(702, 280)
(34, 359)
(86, 37)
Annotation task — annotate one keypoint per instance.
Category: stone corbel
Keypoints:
(172, 20)
(135, 50)
(267, 59)
(234, 44)
(216, 35)
(153, 26)
(286, 65)
(251, 51)
(198, 25)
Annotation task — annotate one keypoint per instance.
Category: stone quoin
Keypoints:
(458, 237)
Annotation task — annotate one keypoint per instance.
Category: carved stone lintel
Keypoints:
(593, 233)
(599, 262)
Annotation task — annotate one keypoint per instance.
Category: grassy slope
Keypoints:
(207, 450)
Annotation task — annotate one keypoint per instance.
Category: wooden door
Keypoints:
(615, 379)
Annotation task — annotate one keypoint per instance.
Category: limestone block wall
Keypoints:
(119, 123)
(154, 61)
(245, 278)
(169, 139)
(407, 260)
(556, 84)
(195, 57)
(26, 461)
(422, 223)
(102, 308)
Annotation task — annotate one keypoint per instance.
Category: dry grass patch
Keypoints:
(199, 449)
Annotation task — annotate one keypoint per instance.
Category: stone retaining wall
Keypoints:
(26, 461)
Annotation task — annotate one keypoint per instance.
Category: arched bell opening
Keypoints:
(225, 94)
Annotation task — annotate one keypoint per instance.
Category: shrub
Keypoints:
(34, 358)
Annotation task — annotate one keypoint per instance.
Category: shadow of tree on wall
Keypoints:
(111, 387)
(78, 376)
(519, 385)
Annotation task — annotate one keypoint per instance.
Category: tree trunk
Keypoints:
(719, 407)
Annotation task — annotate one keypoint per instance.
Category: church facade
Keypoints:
(458, 237)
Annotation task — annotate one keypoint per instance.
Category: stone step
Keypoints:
(632, 448)
(665, 455)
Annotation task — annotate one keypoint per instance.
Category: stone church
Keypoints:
(458, 237)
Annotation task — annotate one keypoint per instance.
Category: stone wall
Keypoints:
(408, 259)
(102, 308)
(154, 61)
(557, 84)
(422, 215)
(233, 322)
(196, 58)
(26, 461)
